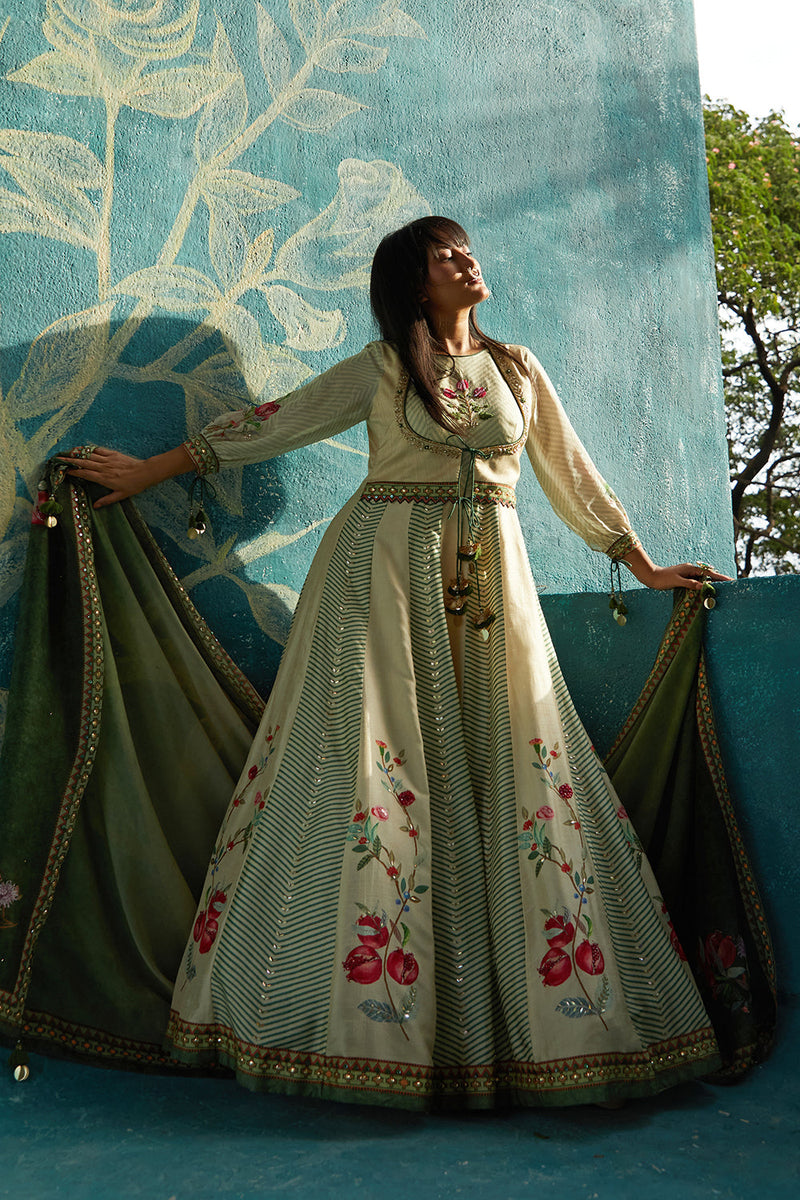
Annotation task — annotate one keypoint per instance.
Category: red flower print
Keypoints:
(566, 868)
(462, 385)
(555, 967)
(262, 411)
(208, 935)
(720, 954)
(199, 926)
(565, 791)
(372, 930)
(392, 872)
(402, 967)
(251, 774)
(537, 741)
(479, 393)
(622, 814)
(215, 904)
(362, 841)
(559, 931)
(545, 813)
(451, 395)
(528, 824)
(381, 813)
(406, 798)
(398, 762)
(359, 817)
(589, 958)
(363, 965)
(381, 744)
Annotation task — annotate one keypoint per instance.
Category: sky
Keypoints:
(748, 51)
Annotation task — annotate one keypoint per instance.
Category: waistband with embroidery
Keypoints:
(437, 493)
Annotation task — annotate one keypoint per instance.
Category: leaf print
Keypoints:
(575, 1006)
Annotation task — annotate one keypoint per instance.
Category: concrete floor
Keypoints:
(80, 1133)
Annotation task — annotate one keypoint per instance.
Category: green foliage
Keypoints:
(754, 184)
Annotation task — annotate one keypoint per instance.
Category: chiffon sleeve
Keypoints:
(572, 483)
(330, 403)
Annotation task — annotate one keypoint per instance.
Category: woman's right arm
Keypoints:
(330, 403)
(124, 475)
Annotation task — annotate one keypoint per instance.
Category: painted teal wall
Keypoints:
(753, 654)
(566, 137)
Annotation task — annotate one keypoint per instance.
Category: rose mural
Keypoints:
(247, 296)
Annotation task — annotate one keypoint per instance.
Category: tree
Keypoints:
(754, 183)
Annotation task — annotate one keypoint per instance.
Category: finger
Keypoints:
(110, 498)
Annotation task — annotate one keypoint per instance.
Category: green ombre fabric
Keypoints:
(667, 769)
(127, 727)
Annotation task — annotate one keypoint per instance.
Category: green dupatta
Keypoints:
(126, 731)
(666, 767)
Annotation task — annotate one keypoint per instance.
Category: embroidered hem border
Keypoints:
(274, 1068)
(438, 493)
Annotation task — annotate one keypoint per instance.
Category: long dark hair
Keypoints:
(398, 278)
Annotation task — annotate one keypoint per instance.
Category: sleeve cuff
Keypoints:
(619, 548)
(204, 459)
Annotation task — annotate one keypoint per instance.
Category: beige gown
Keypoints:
(425, 889)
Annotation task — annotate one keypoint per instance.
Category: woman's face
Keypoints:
(454, 281)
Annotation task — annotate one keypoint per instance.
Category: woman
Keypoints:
(425, 889)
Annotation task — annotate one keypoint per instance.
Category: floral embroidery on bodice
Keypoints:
(486, 410)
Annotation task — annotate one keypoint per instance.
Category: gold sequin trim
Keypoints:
(88, 735)
(438, 493)
(619, 548)
(375, 1077)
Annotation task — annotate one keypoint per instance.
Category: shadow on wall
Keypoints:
(242, 586)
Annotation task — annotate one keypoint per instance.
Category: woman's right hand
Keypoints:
(123, 474)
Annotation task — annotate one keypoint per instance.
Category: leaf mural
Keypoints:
(178, 91)
(59, 72)
(317, 111)
(61, 363)
(177, 289)
(246, 192)
(135, 65)
(224, 114)
(274, 52)
(228, 241)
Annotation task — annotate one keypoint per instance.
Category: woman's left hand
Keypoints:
(682, 575)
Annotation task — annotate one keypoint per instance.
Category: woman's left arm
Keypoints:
(582, 498)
